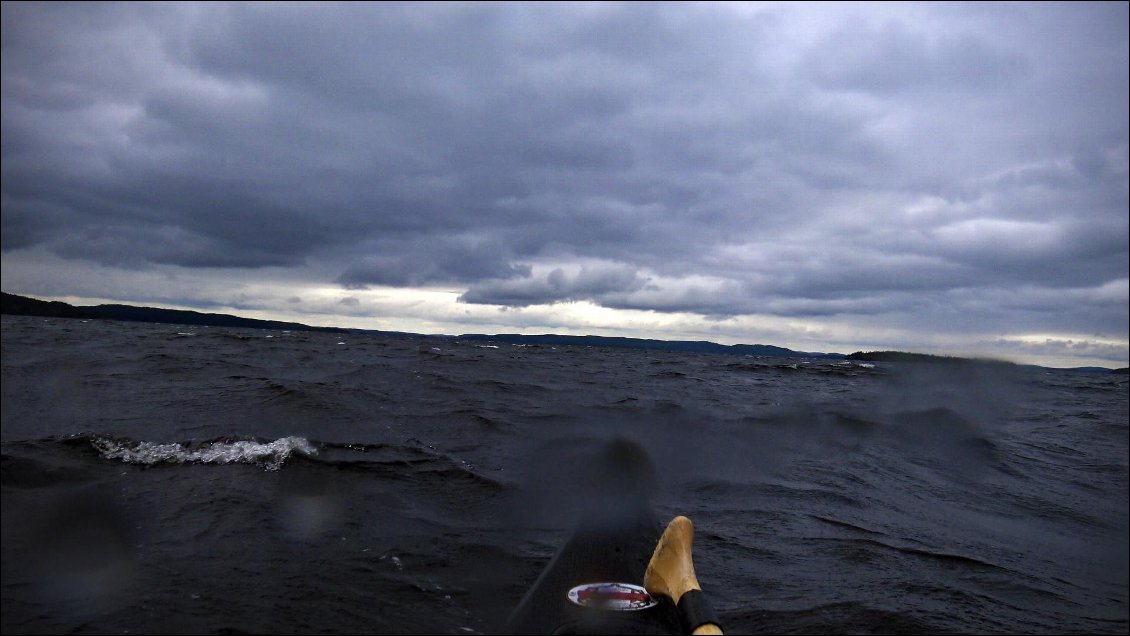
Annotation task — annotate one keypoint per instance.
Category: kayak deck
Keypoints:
(613, 543)
(608, 550)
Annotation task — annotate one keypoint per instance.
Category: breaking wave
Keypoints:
(269, 455)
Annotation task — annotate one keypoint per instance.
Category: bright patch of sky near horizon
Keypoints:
(947, 178)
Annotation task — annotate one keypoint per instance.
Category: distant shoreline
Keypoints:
(23, 306)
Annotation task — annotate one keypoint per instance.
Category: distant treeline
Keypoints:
(21, 305)
(13, 304)
(902, 356)
(694, 346)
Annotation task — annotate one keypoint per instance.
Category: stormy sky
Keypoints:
(948, 178)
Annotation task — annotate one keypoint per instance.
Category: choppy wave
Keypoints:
(270, 455)
(308, 480)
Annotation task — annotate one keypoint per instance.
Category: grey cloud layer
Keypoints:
(694, 157)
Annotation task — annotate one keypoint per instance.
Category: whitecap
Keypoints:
(270, 455)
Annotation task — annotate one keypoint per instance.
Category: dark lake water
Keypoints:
(168, 479)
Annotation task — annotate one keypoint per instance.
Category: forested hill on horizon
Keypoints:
(21, 305)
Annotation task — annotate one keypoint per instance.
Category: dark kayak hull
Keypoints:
(613, 547)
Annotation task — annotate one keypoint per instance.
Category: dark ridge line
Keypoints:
(21, 305)
(24, 306)
(691, 346)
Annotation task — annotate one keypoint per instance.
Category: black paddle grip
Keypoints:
(695, 611)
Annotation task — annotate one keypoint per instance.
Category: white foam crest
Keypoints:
(270, 454)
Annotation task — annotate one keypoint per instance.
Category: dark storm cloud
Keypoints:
(601, 283)
(715, 160)
(446, 259)
(893, 57)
